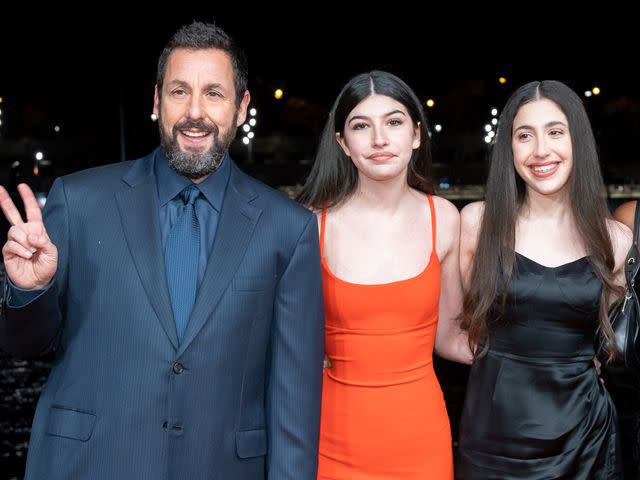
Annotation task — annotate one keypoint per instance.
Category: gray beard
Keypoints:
(193, 165)
(196, 165)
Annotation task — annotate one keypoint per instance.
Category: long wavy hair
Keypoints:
(334, 177)
(494, 259)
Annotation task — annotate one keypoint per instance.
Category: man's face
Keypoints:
(197, 111)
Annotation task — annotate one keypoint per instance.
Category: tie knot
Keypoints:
(189, 194)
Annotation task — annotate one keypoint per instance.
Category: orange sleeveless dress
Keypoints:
(383, 412)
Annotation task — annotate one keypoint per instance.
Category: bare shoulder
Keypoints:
(471, 217)
(447, 227)
(625, 213)
(621, 238)
(446, 212)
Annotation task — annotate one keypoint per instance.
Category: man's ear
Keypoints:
(156, 101)
(242, 109)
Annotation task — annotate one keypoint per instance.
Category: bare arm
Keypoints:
(621, 238)
(470, 220)
(451, 342)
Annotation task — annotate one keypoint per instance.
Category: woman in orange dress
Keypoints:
(390, 277)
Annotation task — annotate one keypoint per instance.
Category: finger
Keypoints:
(12, 248)
(9, 208)
(19, 235)
(31, 205)
(40, 242)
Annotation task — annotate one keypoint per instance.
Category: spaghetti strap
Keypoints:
(433, 222)
(323, 220)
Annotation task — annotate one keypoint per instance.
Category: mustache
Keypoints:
(198, 124)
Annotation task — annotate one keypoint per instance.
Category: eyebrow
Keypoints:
(183, 83)
(546, 125)
(364, 117)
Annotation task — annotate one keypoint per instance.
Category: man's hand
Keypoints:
(30, 259)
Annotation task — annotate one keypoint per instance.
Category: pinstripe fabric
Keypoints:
(245, 404)
(181, 259)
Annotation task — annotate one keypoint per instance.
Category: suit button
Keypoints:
(178, 368)
(165, 425)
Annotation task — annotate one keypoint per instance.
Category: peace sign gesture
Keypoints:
(30, 259)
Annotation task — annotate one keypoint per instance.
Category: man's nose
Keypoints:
(195, 108)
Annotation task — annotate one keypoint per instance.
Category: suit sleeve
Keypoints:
(295, 364)
(31, 329)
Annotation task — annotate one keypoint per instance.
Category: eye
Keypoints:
(395, 122)
(358, 126)
(523, 136)
(556, 133)
(179, 92)
(213, 93)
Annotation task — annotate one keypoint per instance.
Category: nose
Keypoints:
(379, 136)
(194, 108)
(542, 149)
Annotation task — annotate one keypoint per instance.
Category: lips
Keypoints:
(195, 136)
(543, 170)
(380, 156)
(194, 132)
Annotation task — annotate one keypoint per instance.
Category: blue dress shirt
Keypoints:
(208, 205)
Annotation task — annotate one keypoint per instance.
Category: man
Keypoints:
(152, 380)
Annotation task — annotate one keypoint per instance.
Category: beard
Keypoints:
(194, 164)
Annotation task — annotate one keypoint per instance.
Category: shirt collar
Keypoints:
(170, 183)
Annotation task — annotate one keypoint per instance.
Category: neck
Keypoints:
(553, 207)
(199, 180)
(381, 195)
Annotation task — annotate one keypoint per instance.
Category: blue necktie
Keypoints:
(181, 259)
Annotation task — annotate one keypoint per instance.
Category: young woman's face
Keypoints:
(541, 143)
(380, 137)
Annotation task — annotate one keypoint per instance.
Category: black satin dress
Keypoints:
(535, 408)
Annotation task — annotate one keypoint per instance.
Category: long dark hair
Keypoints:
(333, 177)
(505, 195)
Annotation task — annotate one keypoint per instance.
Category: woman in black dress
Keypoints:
(541, 259)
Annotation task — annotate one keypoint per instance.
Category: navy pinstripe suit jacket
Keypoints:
(238, 398)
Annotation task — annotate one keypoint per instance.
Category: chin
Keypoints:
(548, 190)
(194, 149)
(387, 174)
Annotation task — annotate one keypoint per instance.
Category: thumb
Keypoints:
(41, 242)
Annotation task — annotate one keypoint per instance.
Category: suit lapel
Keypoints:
(138, 208)
(238, 218)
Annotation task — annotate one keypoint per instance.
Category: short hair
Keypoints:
(202, 36)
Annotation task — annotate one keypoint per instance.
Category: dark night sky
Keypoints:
(76, 65)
